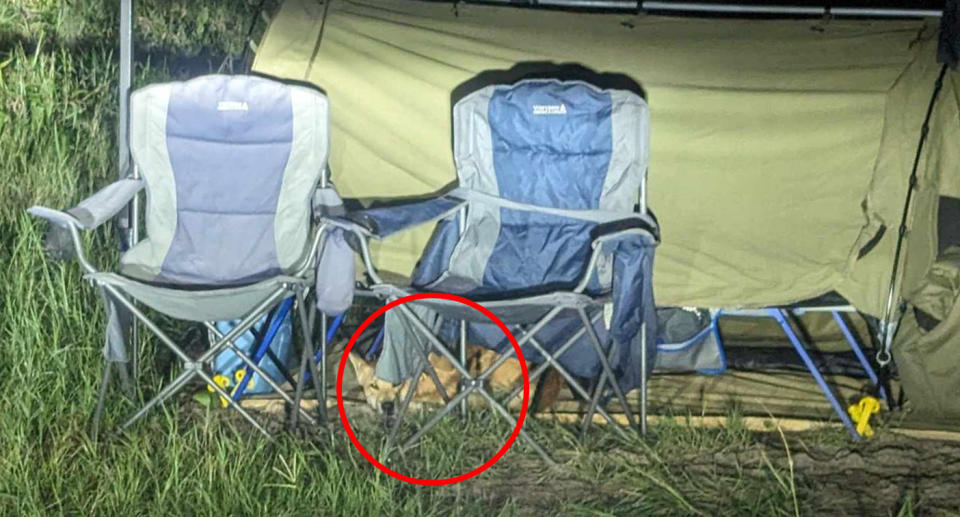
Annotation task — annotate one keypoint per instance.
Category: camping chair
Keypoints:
(230, 165)
(548, 230)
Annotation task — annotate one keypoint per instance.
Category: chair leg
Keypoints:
(643, 379)
(298, 393)
(463, 361)
(318, 387)
(780, 316)
(593, 406)
(322, 399)
(605, 363)
(193, 368)
(233, 403)
(135, 351)
(435, 419)
(497, 408)
(471, 383)
(551, 362)
(165, 393)
(251, 364)
(320, 390)
(439, 347)
(401, 412)
(101, 397)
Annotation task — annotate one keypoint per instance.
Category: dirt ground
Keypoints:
(871, 479)
(832, 476)
(875, 479)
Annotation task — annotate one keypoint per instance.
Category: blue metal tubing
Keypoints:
(855, 346)
(272, 330)
(779, 315)
(372, 351)
(332, 331)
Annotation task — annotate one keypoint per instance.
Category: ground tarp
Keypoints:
(780, 148)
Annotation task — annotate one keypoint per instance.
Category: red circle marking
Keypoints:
(462, 477)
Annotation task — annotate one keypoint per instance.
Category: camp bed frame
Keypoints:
(783, 316)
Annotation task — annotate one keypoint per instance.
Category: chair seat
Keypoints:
(193, 304)
(510, 310)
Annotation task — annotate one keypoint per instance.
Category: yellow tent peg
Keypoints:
(861, 413)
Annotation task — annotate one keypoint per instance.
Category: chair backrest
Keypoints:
(230, 164)
(560, 144)
(547, 143)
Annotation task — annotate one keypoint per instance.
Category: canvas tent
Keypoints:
(780, 150)
(757, 125)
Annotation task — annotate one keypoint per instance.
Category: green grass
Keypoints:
(57, 127)
(182, 27)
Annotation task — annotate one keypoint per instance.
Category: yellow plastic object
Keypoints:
(223, 382)
(238, 376)
(861, 413)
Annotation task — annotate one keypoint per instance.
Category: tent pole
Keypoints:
(695, 7)
(883, 356)
(128, 220)
(126, 66)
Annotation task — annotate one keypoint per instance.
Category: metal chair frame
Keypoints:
(195, 368)
(527, 334)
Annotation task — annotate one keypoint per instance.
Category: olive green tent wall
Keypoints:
(780, 148)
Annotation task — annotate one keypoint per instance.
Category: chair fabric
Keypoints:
(541, 164)
(542, 143)
(199, 305)
(230, 165)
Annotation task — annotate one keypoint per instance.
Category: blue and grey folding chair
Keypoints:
(549, 230)
(230, 165)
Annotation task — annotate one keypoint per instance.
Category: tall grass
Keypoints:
(183, 27)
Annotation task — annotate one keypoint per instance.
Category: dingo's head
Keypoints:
(379, 394)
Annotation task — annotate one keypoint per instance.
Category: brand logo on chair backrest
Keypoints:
(549, 109)
(232, 106)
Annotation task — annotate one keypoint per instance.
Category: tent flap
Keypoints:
(929, 358)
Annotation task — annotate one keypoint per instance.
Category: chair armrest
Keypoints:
(94, 210)
(385, 221)
(613, 230)
(61, 219)
(87, 215)
(629, 232)
(360, 226)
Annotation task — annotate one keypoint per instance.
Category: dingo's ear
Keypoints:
(365, 372)
(356, 360)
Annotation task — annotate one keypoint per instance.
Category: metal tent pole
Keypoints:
(696, 7)
(890, 313)
(126, 66)
(128, 220)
